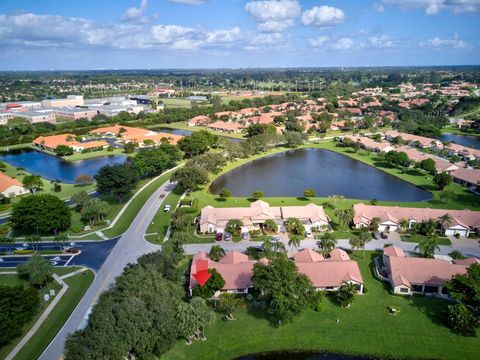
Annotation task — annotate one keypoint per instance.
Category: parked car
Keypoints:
(227, 237)
(72, 250)
(275, 239)
(376, 235)
(162, 195)
(384, 235)
(218, 236)
(308, 233)
(245, 235)
(167, 208)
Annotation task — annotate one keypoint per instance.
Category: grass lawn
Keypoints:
(78, 284)
(455, 130)
(181, 103)
(127, 217)
(417, 238)
(93, 154)
(366, 328)
(161, 219)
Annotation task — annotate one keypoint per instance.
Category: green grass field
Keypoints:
(78, 285)
(366, 328)
(171, 102)
(455, 130)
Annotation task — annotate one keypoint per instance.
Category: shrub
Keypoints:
(23, 252)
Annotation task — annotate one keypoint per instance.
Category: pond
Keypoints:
(290, 173)
(52, 168)
(286, 355)
(465, 140)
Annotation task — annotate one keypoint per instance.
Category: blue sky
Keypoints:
(135, 34)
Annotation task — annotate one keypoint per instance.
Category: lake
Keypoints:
(286, 355)
(465, 140)
(52, 168)
(290, 173)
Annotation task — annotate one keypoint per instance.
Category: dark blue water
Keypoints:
(51, 167)
(290, 173)
(188, 132)
(465, 140)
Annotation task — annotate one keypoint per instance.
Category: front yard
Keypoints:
(367, 328)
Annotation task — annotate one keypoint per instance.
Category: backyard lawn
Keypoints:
(367, 328)
(418, 238)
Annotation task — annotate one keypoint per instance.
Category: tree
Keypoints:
(333, 200)
(345, 216)
(79, 199)
(234, 226)
(270, 225)
(364, 237)
(445, 219)
(117, 180)
(197, 143)
(461, 320)
(63, 150)
(83, 179)
(212, 162)
(374, 223)
(216, 252)
(129, 148)
(204, 315)
(442, 180)
(294, 242)
(225, 194)
(93, 211)
(428, 165)
(346, 294)
(447, 195)
(257, 129)
(327, 243)
(228, 304)
(37, 270)
(428, 246)
(213, 284)
(61, 240)
(40, 214)
(403, 224)
(397, 158)
(294, 226)
(153, 161)
(189, 178)
(18, 305)
(309, 193)
(293, 139)
(33, 183)
(286, 292)
(257, 195)
(465, 288)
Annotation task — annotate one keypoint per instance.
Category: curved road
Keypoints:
(130, 246)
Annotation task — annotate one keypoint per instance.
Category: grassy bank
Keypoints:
(367, 328)
(183, 126)
(455, 130)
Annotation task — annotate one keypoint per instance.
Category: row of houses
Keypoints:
(462, 222)
(326, 274)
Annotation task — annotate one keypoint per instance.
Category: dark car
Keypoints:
(218, 236)
(376, 235)
(227, 237)
(384, 235)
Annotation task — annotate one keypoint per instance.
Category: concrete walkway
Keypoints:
(42, 317)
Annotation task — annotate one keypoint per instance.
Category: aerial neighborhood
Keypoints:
(224, 210)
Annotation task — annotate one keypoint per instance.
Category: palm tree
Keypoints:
(278, 246)
(294, 241)
(234, 226)
(375, 223)
(216, 252)
(445, 219)
(344, 216)
(403, 224)
(326, 243)
(364, 237)
(346, 294)
(355, 242)
(61, 239)
(428, 246)
(429, 227)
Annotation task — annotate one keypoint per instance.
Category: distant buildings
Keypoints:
(70, 101)
(142, 137)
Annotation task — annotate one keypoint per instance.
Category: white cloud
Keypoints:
(432, 7)
(189, 2)
(274, 15)
(135, 13)
(378, 7)
(319, 41)
(323, 16)
(437, 43)
(167, 34)
(344, 43)
(382, 42)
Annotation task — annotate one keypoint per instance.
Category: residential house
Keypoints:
(414, 140)
(467, 177)
(215, 219)
(226, 126)
(463, 222)
(50, 143)
(10, 187)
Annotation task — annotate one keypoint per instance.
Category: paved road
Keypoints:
(130, 246)
(93, 253)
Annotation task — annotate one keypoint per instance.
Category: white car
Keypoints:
(308, 233)
(167, 208)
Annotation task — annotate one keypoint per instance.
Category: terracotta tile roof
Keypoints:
(307, 255)
(468, 261)
(469, 175)
(393, 251)
(422, 271)
(227, 126)
(53, 141)
(330, 273)
(6, 182)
